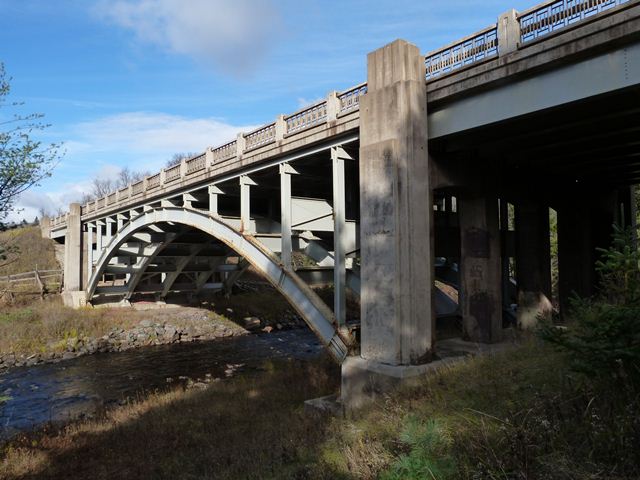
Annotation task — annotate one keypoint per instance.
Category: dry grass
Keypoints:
(32, 250)
(39, 326)
(251, 427)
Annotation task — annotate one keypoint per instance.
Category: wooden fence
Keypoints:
(36, 282)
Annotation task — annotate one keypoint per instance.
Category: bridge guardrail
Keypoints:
(542, 20)
(555, 15)
(474, 48)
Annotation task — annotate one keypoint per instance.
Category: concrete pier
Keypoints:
(396, 225)
(533, 263)
(480, 268)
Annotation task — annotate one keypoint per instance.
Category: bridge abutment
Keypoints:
(72, 294)
(397, 271)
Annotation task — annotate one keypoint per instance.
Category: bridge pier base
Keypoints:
(73, 266)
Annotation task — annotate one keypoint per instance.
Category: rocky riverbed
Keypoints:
(163, 326)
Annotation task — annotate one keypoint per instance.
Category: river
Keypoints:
(73, 388)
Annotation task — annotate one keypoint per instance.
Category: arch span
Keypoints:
(303, 299)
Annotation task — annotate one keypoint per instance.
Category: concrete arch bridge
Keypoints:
(440, 171)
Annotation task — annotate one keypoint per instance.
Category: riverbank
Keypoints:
(517, 414)
(47, 332)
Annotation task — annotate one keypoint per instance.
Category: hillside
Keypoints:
(31, 250)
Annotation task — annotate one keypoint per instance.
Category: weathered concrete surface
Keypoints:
(396, 210)
(73, 250)
(533, 263)
(480, 268)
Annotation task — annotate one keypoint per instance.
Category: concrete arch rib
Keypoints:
(305, 301)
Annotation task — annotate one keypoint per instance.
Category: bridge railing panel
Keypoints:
(172, 173)
(552, 16)
(350, 99)
(225, 152)
(261, 136)
(100, 202)
(475, 48)
(137, 188)
(123, 193)
(112, 198)
(309, 117)
(153, 181)
(196, 163)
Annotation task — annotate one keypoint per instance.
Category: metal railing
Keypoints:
(550, 17)
(477, 47)
(350, 99)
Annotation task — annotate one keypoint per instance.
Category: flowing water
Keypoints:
(72, 388)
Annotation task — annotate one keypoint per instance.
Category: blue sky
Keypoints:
(131, 82)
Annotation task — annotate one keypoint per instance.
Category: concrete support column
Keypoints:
(213, 200)
(89, 250)
(533, 263)
(245, 203)
(73, 250)
(480, 268)
(99, 225)
(338, 157)
(286, 171)
(396, 209)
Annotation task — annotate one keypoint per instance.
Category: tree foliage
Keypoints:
(604, 338)
(24, 161)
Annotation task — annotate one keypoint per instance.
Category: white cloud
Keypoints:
(151, 134)
(101, 148)
(232, 35)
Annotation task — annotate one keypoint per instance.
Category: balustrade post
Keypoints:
(281, 128)
(241, 145)
(333, 106)
(163, 176)
(183, 168)
(508, 32)
(208, 158)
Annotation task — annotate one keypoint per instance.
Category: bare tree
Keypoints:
(101, 187)
(178, 157)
